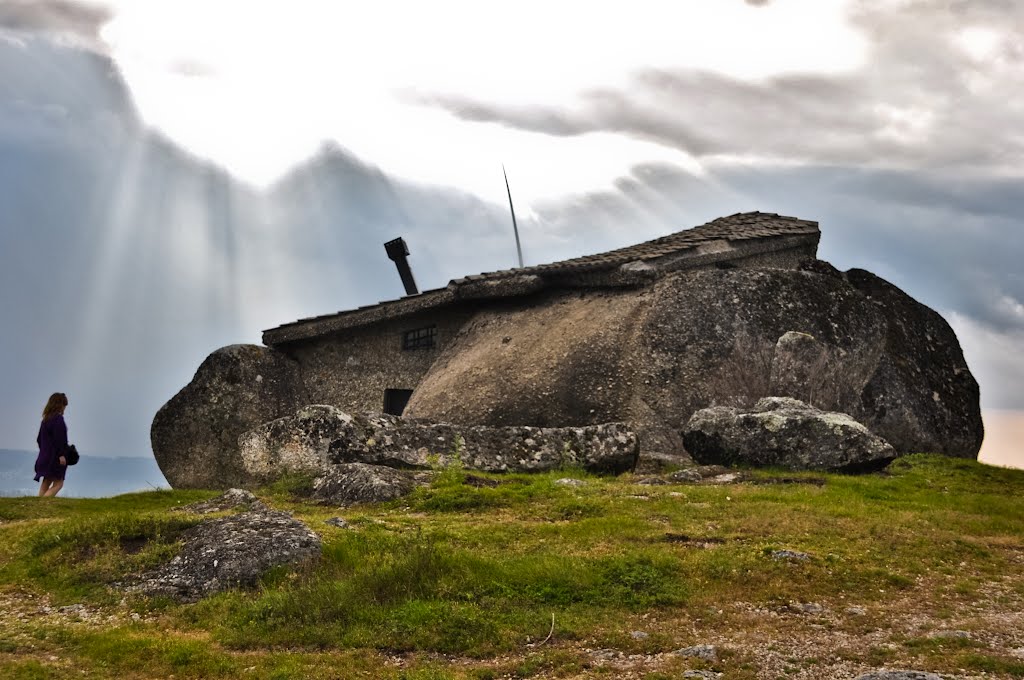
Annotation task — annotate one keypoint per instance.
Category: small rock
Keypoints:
(856, 611)
(568, 481)
(702, 675)
(605, 654)
(954, 634)
(792, 555)
(810, 608)
(337, 522)
(729, 478)
(705, 652)
(688, 476)
(229, 500)
(653, 481)
(639, 635)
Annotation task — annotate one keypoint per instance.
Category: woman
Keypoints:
(53, 442)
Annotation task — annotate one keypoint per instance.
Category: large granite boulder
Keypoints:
(921, 396)
(784, 432)
(653, 356)
(230, 552)
(195, 434)
(317, 437)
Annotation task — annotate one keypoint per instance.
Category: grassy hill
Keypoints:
(920, 567)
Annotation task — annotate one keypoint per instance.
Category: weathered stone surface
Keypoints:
(195, 434)
(353, 483)
(784, 432)
(230, 552)
(797, 356)
(319, 436)
(232, 499)
(921, 396)
(652, 357)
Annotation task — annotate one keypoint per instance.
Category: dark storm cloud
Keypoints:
(82, 19)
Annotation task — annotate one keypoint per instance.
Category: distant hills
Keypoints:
(93, 477)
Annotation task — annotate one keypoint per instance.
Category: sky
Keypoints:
(179, 175)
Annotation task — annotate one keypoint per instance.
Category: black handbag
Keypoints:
(71, 455)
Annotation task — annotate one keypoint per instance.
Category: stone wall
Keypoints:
(352, 369)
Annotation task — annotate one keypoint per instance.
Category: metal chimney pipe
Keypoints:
(397, 252)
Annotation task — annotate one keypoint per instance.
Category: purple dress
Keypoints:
(53, 443)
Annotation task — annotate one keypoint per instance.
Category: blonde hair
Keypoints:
(55, 405)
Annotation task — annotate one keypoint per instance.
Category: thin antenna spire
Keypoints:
(515, 227)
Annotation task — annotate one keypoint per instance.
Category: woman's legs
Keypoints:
(50, 487)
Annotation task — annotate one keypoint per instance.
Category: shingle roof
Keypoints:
(738, 227)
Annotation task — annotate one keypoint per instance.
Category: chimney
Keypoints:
(397, 252)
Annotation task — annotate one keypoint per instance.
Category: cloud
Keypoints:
(80, 19)
(920, 100)
(994, 358)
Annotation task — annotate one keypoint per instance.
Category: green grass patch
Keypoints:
(477, 565)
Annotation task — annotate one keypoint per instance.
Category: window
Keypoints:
(396, 400)
(420, 338)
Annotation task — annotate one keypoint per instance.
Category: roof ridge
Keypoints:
(739, 226)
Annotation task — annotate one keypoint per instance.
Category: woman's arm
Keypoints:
(60, 438)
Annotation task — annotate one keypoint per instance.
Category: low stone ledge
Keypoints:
(317, 437)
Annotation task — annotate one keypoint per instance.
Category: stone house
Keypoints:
(645, 335)
(373, 358)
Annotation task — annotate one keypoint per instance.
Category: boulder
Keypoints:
(317, 437)
(795, 361)
(195, 434)
(787, 433)
(921, 396)
(354, 483)
(230, 552)
(652, 357)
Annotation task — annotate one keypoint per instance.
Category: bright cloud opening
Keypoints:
(257, 87)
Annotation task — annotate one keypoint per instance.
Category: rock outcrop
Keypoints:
(195, 434)
(648, 352)
(784, 432)
(652, 357)
(317, 437)
(230, 552)
(354, 483)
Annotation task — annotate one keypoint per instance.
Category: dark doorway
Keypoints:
(395, 401)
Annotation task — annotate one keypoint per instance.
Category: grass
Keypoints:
(463, 580)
